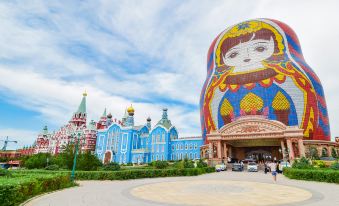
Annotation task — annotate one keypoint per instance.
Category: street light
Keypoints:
(75, 155)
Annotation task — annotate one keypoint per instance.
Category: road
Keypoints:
(224, 188)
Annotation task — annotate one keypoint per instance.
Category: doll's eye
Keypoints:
(233, 54)
(260, 48)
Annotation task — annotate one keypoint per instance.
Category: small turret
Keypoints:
(109, 119)
(130, 118)
(149, 125)
(164, 119)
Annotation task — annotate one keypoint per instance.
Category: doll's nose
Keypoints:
(247, 60)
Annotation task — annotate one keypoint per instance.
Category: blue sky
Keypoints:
(147, 53)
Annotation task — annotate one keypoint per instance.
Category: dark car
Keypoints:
(237, 167)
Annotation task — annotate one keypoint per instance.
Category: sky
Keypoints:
(151, 54)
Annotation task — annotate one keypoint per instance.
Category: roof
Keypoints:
(82, 106)
(165, 123)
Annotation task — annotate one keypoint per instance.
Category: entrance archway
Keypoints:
(259, 155)
(255, 135)
(108, 157)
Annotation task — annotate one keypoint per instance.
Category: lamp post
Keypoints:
(75, 156)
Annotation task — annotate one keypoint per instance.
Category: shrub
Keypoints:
(331, 176)
(160, 164)
(52, 167)
(4, 172)
(188, 163)
(112, 166)
(24, 186)
(319, 163)
(185, 163)
(201, 164)
(335, 165)
(302, 163)
(137, 174)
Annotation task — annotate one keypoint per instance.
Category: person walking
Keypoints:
(273, 167)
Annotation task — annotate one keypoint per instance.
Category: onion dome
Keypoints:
(109, 116)
(130, 109)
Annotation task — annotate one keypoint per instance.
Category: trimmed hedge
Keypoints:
(137, 174)
(320, 175)
(19, 188)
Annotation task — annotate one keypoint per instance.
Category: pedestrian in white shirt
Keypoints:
(273, 167)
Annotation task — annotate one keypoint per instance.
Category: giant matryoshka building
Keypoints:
(261, 99)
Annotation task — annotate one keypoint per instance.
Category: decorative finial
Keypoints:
(85, 93)
(130, 109)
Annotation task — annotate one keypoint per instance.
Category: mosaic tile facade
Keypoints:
(257, 68)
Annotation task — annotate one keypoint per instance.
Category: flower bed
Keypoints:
(320, 175)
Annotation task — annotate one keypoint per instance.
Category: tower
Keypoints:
(130, 118)
(80, 116)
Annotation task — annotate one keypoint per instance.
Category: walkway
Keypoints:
(224, 188)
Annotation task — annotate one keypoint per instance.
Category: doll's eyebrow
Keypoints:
(260, 42)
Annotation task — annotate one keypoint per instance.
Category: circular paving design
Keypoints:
(214, 192)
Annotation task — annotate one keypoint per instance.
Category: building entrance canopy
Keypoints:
(255, 131)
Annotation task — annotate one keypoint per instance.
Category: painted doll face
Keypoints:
(249, 53)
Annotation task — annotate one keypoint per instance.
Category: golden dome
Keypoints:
(130, 109)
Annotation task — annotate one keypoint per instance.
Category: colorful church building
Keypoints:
(76, 129)
(123, 142)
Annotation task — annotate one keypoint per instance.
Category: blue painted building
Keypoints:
(123, 142)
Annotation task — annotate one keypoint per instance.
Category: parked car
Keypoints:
(237, 167)
(252, 167)
(220, 167)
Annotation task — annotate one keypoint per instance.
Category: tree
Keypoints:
(87, 161)
(37, 161)
(314, 153)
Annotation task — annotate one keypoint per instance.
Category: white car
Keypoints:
(252, 167)
(220, 167)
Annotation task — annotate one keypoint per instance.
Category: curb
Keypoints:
(46, 193)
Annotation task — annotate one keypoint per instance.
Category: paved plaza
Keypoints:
(224, 188)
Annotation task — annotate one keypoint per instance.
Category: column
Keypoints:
(210, 150)
(230, 152)
(319, 148)
(329, 151)
(283, 149)
(225, 151)
(301, 147)
(219, 149)
(290, 149)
